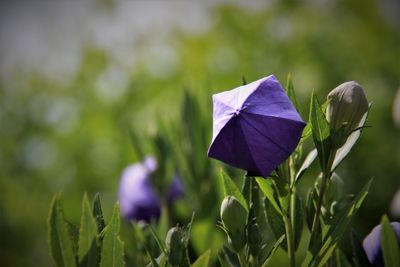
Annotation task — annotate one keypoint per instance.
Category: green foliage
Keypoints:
(60, 240)
(231, 189)
(89, 250)
(390, 246)
(112, 251)
(320, 132)
(87, 246)
(290, 91)
(203, 260)
(66, 135)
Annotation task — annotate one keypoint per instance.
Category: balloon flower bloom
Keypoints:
(372, 244)
(138, 199)
(255, 127)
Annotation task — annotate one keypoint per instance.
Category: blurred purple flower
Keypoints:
(176, 190)
(138, 199)
(372, 244)
(255, 126)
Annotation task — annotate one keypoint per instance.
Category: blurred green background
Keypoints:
(77, 76)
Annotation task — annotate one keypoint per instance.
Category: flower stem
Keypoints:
(292, 195)
(290, 241)
(325, 178)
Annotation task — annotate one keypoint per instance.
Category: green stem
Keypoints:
(290, 241)
(292, 194)
(325, 178)
(318, 208)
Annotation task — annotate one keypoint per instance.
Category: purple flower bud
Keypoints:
(137, 198)
(372, 244)
(176, 191)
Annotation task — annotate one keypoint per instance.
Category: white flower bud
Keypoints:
(347, 105)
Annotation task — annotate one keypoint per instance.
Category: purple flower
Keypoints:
(255, 126)
(176, 190)
(138, 200)
(372, 244)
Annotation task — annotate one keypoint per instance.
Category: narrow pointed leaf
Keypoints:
(160, 243)
(275, 221)
(275, 247)
(89, 250)
(307, 163)
(98, 213)
(320, 132)
(290, 91)
(232, 190)
(390, 246)
(228, 257)
(203, 260)
(60, 241)
(340, 225)
(112, 252)
(267, 187)
(343, 151)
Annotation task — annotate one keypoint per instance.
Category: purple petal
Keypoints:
(176, 190)
(255, 126)
(136, 196)
(372, 244)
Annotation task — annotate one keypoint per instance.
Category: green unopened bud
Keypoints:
(233, 215)
(347, 105)
(234, 219)
(175, 246)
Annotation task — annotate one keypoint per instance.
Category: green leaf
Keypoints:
(341, 222)
(352, 139)
(203, 260)
(98, 214)
(390, 246)
(88, 252)
(112, 252)
(60, 241)
(74, 233)
(290, 91)
(307, 132)
(247, 188)
(232, 190)
(160, 243)
(321, 132)
(274, 220)
(275, 247)
(228, 258)
(268, 187)
(307, 163)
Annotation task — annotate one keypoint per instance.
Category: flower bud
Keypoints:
(175, 246)
(234, 219)
(347, 105)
